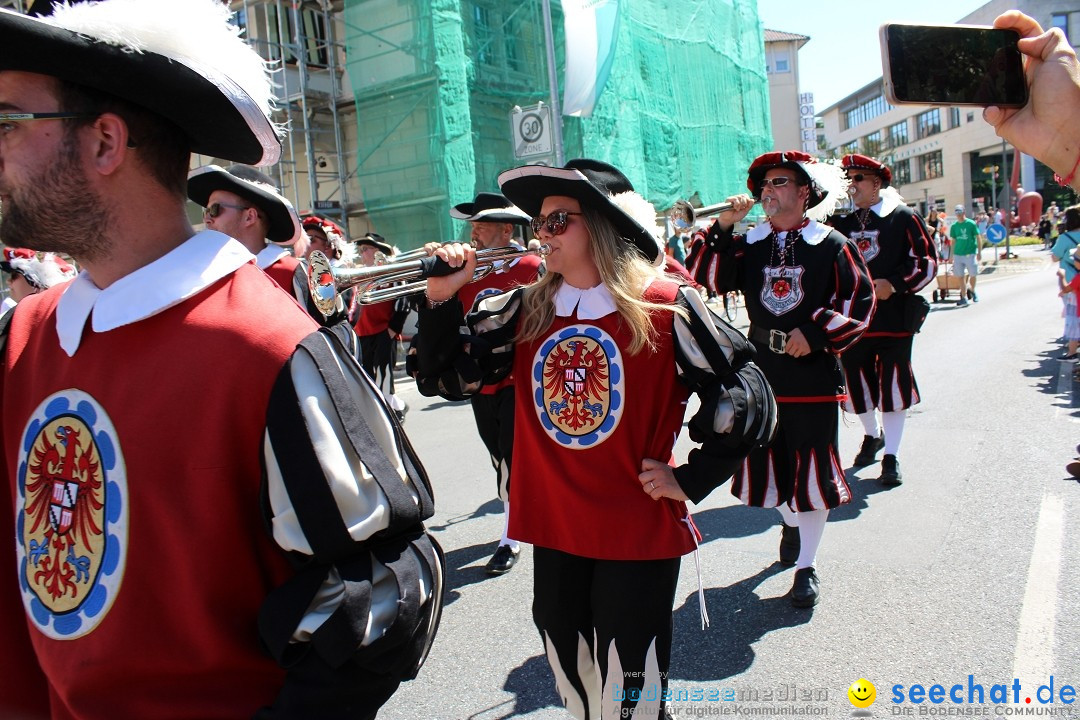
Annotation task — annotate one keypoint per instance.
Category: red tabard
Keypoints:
(374, 318)
(282, 271)
(169, 529)
(587, 412)
(521, 273)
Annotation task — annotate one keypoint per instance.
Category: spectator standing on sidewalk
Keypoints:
(1061, 252)
(966, 253)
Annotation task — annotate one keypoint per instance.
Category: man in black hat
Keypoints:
(492, 220)
(378, 326)
(244, 203)
(207, 509)
(809, 297)
(902, 259)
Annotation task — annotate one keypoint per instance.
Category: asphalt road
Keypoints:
(967, 569)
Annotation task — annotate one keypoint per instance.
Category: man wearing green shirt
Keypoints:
(966, 252)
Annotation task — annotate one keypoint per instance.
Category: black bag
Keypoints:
(916, 308)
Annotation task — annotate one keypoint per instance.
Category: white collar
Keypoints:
(885, 205)
(812, 234)
(270, 255)
(592, 304)
(199, 262)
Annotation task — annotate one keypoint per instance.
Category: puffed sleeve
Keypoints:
(738, 409)
(714, 259)
(919, 265)
(846, 314)
(346, 498)
(455, 356)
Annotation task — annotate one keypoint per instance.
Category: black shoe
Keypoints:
(501, 562)
(790, 545)
(869, 450)
(890, 471)
(805, 591)
(1073, 469)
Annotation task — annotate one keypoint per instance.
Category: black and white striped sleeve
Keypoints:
(345, 498)
(458, 356)
(738, 410)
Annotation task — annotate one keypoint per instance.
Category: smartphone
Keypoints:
(952, 65)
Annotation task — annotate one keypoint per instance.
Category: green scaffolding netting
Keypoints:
(684, 112)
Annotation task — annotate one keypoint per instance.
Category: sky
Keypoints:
(843, 53)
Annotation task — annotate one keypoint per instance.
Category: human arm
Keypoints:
(1046, 126)
(737, 409)
(345, 499)
(454, 358)
(713, 256)
(847, 312)
(919, 264)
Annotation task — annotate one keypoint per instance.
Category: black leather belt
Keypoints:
(775, 340)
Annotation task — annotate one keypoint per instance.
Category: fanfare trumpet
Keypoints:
(683, 215)
(396, 278)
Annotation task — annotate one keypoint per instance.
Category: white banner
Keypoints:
(591, 28)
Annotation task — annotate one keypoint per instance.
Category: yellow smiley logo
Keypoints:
(862, 693)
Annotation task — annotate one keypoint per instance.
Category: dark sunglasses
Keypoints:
(215, 209)
(775, 182)
(554, 223)
(857, 177)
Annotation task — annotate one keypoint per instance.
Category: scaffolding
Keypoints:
(299, 40)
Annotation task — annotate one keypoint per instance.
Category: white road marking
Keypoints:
(1034, 658)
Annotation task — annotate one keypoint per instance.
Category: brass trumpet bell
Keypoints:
(396, 278)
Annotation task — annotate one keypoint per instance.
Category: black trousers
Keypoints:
(606, 626)
(494, 416)
(377, 356)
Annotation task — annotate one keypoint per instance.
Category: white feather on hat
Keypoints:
(196, 33)
(832, 181)
(644, 214)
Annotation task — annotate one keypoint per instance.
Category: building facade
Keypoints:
(944, 156)
(791, 112)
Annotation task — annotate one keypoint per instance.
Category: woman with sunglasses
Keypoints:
(606, 350)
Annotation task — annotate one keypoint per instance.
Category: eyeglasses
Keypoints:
(554, 223)
(215, 209)
(776, 181)
(9, 120)
(857, 177)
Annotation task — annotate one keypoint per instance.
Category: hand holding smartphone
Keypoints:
(952, 65)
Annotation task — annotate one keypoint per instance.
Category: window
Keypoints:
(901, 172)
(954, 117)
(971, 117)
(1060, 21)
(483, 34)
(930, 165)
(848, 148)
(872, 144)
(312, 35)
(928, 123)
(898, 134)
(782, 64)
(865, 111)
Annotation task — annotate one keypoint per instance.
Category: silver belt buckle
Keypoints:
(778, 341)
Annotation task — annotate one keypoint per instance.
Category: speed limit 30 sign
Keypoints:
(531, 128)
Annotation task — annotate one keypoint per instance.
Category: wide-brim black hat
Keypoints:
(212, 94)
(490, 207)
(378, 242)
(253, 186)
(591, 182)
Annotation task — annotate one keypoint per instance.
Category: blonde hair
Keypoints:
(622, 269)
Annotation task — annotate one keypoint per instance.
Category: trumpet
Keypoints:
(396, 278)
(683, 215)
